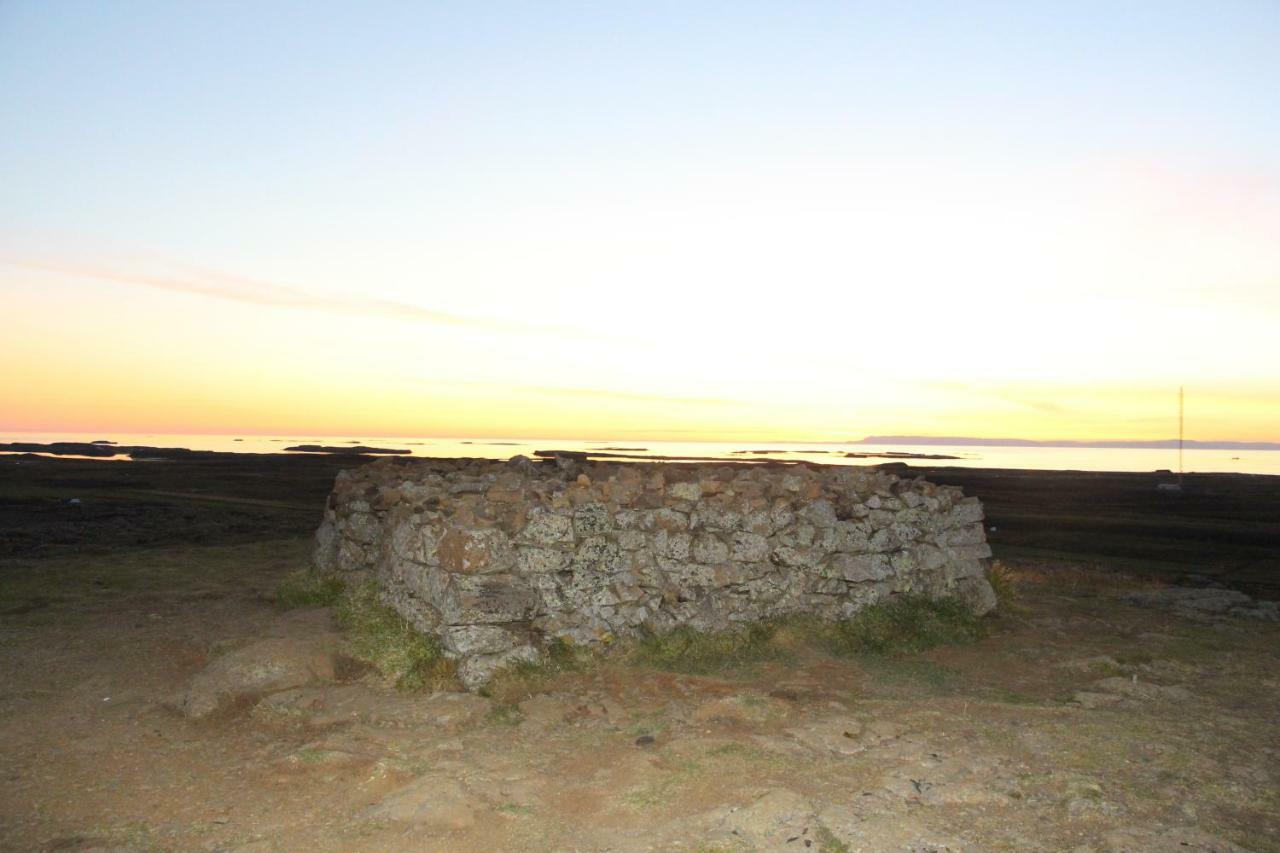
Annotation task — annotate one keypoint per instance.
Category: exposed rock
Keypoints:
(891, 831)
(498, 559)
(776, 820)
(434, 802)
(1143, 691)
(238, 678)
(1196, 603)
(1092, 699)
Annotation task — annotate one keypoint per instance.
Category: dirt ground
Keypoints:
(1084, 722)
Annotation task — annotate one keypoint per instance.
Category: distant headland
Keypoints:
(1158, 444)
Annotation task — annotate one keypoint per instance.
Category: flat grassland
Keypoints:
(1080, 721)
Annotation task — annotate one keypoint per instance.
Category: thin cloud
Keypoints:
(592, 393)
(623, 395)
(1037, 405)
(234, 288)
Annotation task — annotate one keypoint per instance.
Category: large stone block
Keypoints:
(488, 600)
(547, 528)
(857, 568)
(483, 550)
(967, 511)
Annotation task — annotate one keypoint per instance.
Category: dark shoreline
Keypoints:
(1222, 528)
(906, 463)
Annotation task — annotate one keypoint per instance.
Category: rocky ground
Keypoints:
(153, 696)
(184, 710)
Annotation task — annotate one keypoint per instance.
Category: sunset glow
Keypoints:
(748, 224)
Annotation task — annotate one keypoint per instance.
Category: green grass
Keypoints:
(704, 652)
(905, 625)
(307, 588)
(827, 841)
(382, 638)
(514, 809)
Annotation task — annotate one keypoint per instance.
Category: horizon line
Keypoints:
(904, 439)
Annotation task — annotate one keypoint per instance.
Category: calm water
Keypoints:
(1042, 458)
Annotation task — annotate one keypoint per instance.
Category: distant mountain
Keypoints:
(968, 441)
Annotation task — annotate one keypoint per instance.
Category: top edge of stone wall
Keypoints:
(497, 558)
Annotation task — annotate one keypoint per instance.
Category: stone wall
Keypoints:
(498, 558)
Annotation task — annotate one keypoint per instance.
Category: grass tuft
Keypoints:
(308, 588)
(905, 624)
(828, 842)
(704, 652)
(383, 639)
(1004, 583)
(505, 714)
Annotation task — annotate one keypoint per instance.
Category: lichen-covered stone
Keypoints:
(547, 528)
(857, 568)
(498, 559)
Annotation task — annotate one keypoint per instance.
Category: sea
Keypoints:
(1195, 460)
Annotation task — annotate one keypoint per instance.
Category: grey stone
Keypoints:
(685, 491)
(597, 554)
(475, 671)
(749, 547)
(540, 560)
(967, 511)
(592, 520)
(861, 567)
(666, 518)
(467, 640)
(708, 548)
(546, 528)
(885, 540)
(821, 513)
(488, 599)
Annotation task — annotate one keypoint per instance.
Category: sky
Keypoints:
(804, 221)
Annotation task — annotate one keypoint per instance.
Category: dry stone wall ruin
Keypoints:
(497, 559)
